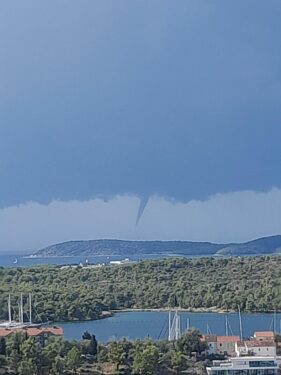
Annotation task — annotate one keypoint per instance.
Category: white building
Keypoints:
(224, 345)
(261, 348)
(211, 341)
(245, 366)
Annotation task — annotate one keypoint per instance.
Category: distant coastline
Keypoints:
(111, 247)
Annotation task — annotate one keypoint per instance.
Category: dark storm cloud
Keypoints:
(102, 98)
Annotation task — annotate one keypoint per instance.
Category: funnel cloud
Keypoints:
(105, 99)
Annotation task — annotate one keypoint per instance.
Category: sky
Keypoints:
(108, 105)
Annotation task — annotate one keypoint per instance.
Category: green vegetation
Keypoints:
(23, 356)
(266, 245)
(70, 294)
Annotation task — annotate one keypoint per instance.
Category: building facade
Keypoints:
(245, 366)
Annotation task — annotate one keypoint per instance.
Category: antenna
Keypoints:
(240, 323)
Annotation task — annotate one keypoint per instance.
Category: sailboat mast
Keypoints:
(240, 324)
(226, 326)
(9, 309)
(169, 338)
(30, 309)
(21, 308)
(187, 324)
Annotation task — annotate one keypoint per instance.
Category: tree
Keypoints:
(73, 359)
(146, 358)
(13, 349)
(30, 355)
(86, 336)
(3, 361)
(115, 353)
(102, 354)
(89, 345)
(58, 366)
(177, 361)
(14, 360)
(54, 348)
(190, 342)
(27, 367)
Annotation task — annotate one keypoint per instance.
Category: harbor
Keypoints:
(154, 324)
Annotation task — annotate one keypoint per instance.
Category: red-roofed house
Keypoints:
(261, 348)
(221, 344)
(211, 341)
(226, 344)
(42, 334)
(256, 348)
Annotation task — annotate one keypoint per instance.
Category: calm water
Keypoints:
(135, 325)
(8, 260)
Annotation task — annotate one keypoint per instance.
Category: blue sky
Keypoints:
(177, 101)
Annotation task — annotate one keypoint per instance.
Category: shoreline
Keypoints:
(99, 255)
(111, 313)
(193, 310)
(179, 309)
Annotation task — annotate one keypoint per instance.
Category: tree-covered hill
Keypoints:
(266, 245)
(253, 283)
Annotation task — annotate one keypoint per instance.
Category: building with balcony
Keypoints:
(245, 366)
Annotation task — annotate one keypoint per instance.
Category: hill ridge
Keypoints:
(259, 246)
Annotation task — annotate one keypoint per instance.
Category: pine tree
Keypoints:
(73, 359)
(30, 356)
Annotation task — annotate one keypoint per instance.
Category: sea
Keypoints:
(27, 261)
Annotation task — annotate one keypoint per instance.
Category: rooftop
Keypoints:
(4, 332)
(264, 334)
(223, 339)
(258, 344)
(35, 331)
(32, 331)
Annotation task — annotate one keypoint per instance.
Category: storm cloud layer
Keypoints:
(175, 99)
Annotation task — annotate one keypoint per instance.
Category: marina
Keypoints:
(154, 324)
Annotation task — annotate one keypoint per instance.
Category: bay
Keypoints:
(15, 260)
(154, 324)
